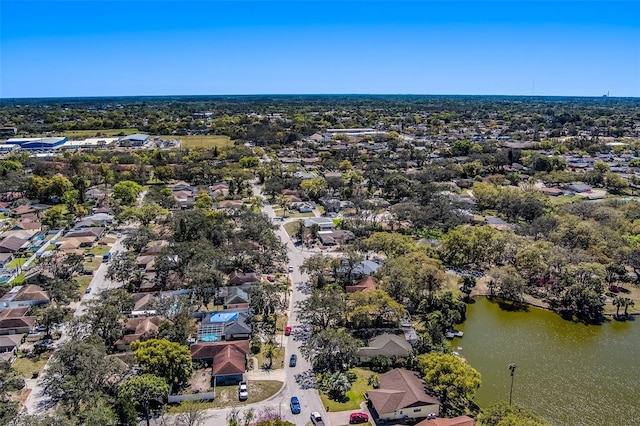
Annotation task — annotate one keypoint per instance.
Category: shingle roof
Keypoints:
(399, 389)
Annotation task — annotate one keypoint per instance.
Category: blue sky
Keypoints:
(89, 48)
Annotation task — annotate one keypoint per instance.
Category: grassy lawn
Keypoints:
(50, 247)
(18, 280)
(290, 228)
(355, 396)
(17, 262)
(309, 214)
(198, 141)
(27, 366)
(227, 396)
(84, 281)
(278, 360)
(563, 199)
(92, 263)
(98, 250)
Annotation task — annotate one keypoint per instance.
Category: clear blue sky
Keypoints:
(87, 48)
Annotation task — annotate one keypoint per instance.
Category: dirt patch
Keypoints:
(200, 382)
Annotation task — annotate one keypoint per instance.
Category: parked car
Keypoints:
(293, 360)
(243, 391)
(295, 405)
(88, 290)
(287, 331)
(316, 418)
(358, 418)
(270, 278)
(290, 268)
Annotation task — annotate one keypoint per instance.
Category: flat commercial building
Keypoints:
(134, 140)
(351, 133)
(36, 144)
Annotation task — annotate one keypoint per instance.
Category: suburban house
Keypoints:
(13, 244)
(5, 259)
(14, 321)
(235, 298)
(143, 304)
(364, 284)
(456, 421)
(23, 295)
(93, 231)
(240, 278)
(389, 345)
(224, 325)
(154, 248)
(324, 223)
(228, 360)
(333, 237)
(135, 329)
(8, 345)
(402, 395)
(366, 267)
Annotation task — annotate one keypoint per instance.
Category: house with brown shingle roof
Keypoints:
(14, 321)
(239, 278)
(135, 329)
(456, 421)
(22, 210)
(228, 360)
(23, 295)
(12, 244)
(402, 395)
(365, 284)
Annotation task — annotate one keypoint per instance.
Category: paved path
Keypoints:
(37, 402)
(309, 398)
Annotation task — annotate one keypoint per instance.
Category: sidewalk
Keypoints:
(261, 374)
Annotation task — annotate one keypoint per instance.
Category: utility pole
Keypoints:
(512, 368)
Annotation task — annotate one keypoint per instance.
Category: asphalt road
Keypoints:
(37, 401)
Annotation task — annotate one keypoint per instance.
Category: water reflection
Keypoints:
(569, 373)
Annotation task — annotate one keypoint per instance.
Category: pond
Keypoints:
(569, 373)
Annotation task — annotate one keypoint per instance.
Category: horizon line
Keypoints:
(604, 96)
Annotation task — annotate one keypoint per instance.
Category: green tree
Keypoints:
(169, 360)
(410, 277)
(53, 315)
(80, 372)
(10, 381)
(391, 244)
(324, 308)
(55, 217)
(330, 350)
(126, 192)
(144, 389)
(121, 267)
(374, 308)
(337, 385)
(504, 414)
(451, 379)
(203, 201)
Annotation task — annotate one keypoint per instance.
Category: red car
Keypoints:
(287, 331)
(358, 418)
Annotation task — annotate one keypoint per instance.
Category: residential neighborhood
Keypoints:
(319, 253)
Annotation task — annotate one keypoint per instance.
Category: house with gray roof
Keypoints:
(389, 345)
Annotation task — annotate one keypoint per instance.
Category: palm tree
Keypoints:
(617, 302)
(270, 351)
(627, 302)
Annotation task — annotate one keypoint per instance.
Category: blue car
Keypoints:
(295, 405)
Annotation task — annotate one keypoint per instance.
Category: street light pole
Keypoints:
(512, 368)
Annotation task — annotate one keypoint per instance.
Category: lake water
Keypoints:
(569, 373)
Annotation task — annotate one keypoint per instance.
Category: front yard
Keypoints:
(227, 396)
(28, 366)
(355, 396)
